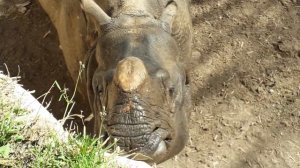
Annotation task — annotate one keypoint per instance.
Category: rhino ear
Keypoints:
(169, 13)
(91, 7)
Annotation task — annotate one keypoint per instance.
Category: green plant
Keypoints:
(80, 150)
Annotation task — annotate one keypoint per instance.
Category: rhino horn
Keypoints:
(130, 74)
(169, 13)
(91, 7)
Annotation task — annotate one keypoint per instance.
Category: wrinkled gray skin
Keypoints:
(152, 119)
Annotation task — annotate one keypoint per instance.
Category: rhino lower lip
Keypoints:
(156, 144)
(161, 149)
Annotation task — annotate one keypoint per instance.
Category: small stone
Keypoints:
(284, 123)
(196, 54)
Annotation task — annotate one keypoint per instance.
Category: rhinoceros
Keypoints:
(136, 55)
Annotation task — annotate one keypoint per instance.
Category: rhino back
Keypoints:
(182, 30)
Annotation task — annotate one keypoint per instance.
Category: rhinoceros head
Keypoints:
(138, 89)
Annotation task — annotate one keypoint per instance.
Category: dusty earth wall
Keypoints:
(29, 48)
(245, 79)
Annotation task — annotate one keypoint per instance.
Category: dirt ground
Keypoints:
(29, 48)
(245, 79)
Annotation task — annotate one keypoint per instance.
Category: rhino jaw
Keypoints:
(130, 74)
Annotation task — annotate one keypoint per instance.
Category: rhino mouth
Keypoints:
(136, 130)
(150, 144)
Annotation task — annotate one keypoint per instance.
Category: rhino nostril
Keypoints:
(155, 129)
(168, 140)
(99, 89)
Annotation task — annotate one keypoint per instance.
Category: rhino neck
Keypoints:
(130, 5)
(136, 7)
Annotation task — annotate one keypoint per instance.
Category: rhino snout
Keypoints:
(152, 144)
(137, 129)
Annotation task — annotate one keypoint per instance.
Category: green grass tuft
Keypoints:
(79, 152)
(17, 150)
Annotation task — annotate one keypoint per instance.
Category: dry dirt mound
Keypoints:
(246, 85)
(245, 77)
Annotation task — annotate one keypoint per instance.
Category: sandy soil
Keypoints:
(245, 77)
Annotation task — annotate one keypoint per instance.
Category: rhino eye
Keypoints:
(99, 89)
(171, 91)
